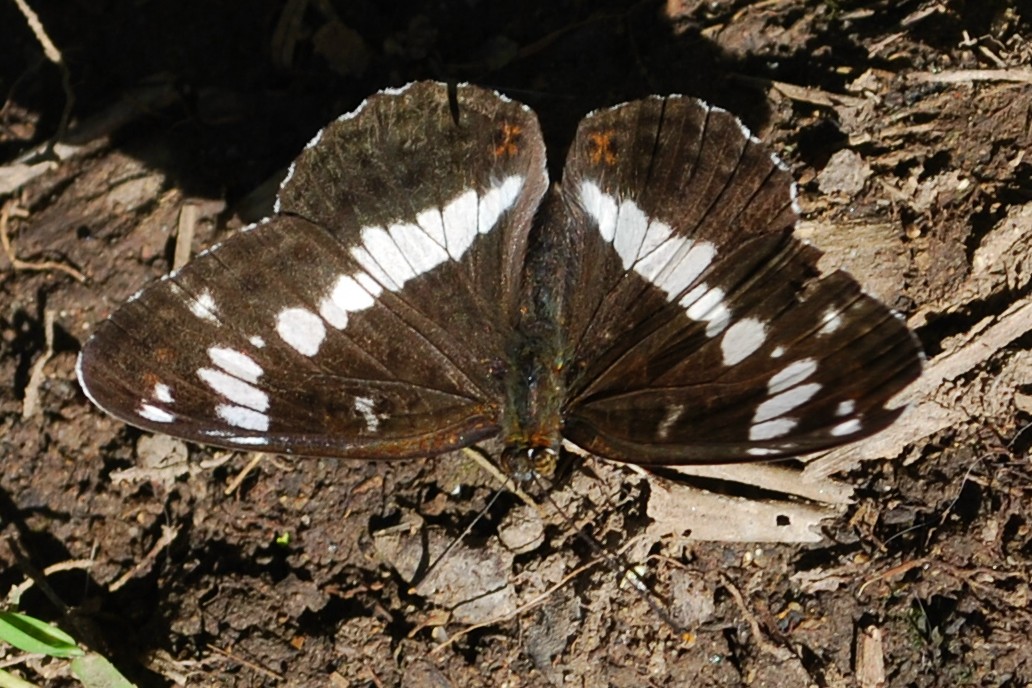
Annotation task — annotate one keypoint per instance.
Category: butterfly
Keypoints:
(422, 286)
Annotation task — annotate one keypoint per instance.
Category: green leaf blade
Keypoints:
(30, 634)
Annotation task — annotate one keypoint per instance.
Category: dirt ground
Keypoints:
(908, 125)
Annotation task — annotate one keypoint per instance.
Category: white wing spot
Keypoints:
(656, 262)
(781, 404)
(600, 206)
(350, 294)
(302, 329)
(684, 268)
(845, 408)
(422, 252)
(673, 412)
(703, 304)
(234, 389)
(771, 428)
(760, 451)
(496, 201)
(382, 249)
(460, 223)
(432, 223)
(393, 255)
(155, 414)
(742, 339)
(830, 321)
(649, 246)
(163, 393)
(364, 406)
(631, 226)
(791, 375)
(369, 284)
(204, 306)
(257, 342)
(235, 363)
(243, 418)
(247, 439)
(847, 427)
(215, 433)
(777, 352)
(362, 255)
(655, 236)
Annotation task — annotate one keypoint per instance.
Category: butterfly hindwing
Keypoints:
(700, 330)
(363, 319)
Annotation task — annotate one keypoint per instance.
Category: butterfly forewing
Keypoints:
(367, 317)
(700, 330)
(423, 153)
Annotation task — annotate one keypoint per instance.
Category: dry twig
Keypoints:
(234, 484)
(54, 55)
(18, 264)
(30, 404)
(247, 663)
(1016, 74)
(780, 653)
(167, 536)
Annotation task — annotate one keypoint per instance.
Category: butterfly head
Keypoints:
(524, 463)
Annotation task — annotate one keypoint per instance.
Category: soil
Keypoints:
(908, 127)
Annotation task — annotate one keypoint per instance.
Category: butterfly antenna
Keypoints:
(622, 568)
(456, 540)
(509, 485)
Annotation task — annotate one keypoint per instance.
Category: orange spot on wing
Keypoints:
(507, 142)
(601, 143)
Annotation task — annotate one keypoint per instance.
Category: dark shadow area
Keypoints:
(247, 98)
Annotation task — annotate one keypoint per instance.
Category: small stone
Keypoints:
(401, 548)
(522, 530)
(691, 598)
(846, 173)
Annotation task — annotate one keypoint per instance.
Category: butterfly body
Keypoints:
(422, 287)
